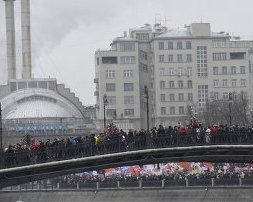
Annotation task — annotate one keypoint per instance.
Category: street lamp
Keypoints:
(1, 126)
(230, 100)
(146, 95)
(105, 101)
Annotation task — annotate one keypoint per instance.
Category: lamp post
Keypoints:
(1, 126)
(105, 101)
(146, 95)
(230, 100)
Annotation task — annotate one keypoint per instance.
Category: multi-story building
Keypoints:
(182, 69)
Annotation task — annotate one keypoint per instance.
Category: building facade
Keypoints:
(182, 69)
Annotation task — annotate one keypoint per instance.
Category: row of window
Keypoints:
(111, 87)
(172, 110)
(225, 95)
(171, 84)
(233, 83)
(172, 97)
(112, 113)
(179, 58)
(178, 45)
(112, 73)
(178, 71)
(233, 70)
(127, 99)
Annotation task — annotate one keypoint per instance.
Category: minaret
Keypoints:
(10, 36)
(26, 39)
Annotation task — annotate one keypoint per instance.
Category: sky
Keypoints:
(66, 33)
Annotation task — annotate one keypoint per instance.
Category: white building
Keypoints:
(181, 68)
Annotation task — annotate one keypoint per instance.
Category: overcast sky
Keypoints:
(66, 33)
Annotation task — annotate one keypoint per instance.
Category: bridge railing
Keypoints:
(21, 157)
(162, 183)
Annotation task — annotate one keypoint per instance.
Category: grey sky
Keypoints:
(66, 33)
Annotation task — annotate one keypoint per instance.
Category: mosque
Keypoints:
(39, 107)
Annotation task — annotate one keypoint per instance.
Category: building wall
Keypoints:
(225, 65)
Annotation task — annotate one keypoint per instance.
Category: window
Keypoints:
(225, 96)
(180, 84)
(190, 97)
(202, 96)
(170, 45)
(179, 58)
(179, 45)
(233, 70)
(202, 61)
(143, 55)
(189, 71)
(110, 74)
(170, 58)
(243, 82)
(128, 86)
(216, 83)
(161, 45)
(180, 70)
(233, 82)
(162, 84)
(219, 43)
(142, 36)
(171, 71)
(109, 60)
(129, 112)
(161, 58)
(162, 96)
(215, 70)
(189, 84)
(188, 45)
(219, 56)
(224, 82)
(128, 73)
(111, 100)
(171, 84)
(110, 87)
(111, 113)
(162, 71)
(128, 99)
(172, 110)
(172, 97)
(181, 110)
(216, 96)
(180, 97)
(163, 110)
(224, 70)
(127, 59)
(189, 57)
(242, 69)
(143, 67)
(127, 46)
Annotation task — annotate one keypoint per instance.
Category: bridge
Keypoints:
(32, 165)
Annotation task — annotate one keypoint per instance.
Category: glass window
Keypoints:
(128, 86)
(171, 84)
(172, 97)
(172, 110)
(189, 57)
(170, 45)
(180, 84)
(161, 45)
(188, 45)
(181, 110)
(162, 84)
(179, 58)
(110, 87)
(161, 58)
(189, 84)
(162, 97)
(190, 97)
(170, 58)
(110, 74)
(224, 70)
(128, 73)
(127, 46)
(233, 70)
(242, 69)
(128, 99)
(163, 110)
(129, 112)
(181, 97)
(179, 45)
(111, 113)
(215, 70)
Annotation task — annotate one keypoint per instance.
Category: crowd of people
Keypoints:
(113, 139)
